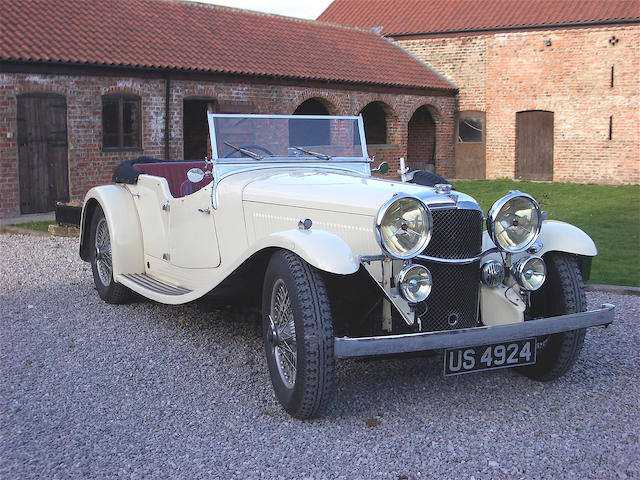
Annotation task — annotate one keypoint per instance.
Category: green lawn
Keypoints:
(42, 226)
(609, 214)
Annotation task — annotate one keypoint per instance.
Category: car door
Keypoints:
(193, 242)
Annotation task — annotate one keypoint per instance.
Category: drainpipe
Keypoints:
(167, 133)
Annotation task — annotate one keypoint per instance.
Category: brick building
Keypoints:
(86, 84)
(549, 89)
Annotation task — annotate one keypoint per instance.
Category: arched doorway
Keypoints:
(313, 106)
(302, 132)
(374, 118)
(43, 166)
(421, 143)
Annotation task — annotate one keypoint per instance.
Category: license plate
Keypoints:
(489, 357)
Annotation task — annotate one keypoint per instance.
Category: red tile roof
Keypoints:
(398, 17)
(179, 35)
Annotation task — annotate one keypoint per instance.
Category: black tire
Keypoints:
(305, 389)
(101, 262)
(562, 293)
(429, 179)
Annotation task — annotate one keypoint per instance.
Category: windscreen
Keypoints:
(292, 137)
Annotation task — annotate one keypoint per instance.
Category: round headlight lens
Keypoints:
(415, 283)
(514, 222)
(404, 226)
(530, 272)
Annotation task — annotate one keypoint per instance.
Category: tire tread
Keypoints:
(566, 294)
(314, 305)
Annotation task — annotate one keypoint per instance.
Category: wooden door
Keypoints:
(471, 145)
(42, 151)
(534, 145)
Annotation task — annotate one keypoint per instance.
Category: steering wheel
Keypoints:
(248, 147)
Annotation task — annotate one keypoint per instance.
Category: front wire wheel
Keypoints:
(298, 335)
(282, 333)
(102, 261)
(562, 293)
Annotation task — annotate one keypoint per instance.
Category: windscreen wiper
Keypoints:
(323, 156)
(246, 152)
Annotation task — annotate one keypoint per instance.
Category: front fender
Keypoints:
(124, 227)
(555, 236)
(324, 250)
(564, 237)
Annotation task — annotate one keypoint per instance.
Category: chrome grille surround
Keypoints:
(457, 234)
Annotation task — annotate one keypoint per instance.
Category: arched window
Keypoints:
(374, 118)
(121, 122)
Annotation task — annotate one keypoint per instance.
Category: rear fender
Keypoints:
(324, 250)
(124, 227)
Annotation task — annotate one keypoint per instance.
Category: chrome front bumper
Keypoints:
(345, 347)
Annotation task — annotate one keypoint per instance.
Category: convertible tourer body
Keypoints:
(287, 213)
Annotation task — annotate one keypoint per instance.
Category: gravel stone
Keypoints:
(145, 390)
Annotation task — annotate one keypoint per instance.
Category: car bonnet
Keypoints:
(326, 190)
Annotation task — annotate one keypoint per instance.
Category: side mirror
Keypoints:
(195, 175)
(382, 168)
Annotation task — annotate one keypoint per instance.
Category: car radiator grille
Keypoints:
(453, 302)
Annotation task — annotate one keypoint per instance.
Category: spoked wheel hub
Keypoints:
(281, 333)
(103, 252)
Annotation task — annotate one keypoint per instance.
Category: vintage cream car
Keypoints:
(342, 264)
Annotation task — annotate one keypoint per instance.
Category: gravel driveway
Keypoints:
(147, 390)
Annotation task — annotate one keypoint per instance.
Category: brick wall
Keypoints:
(90, 166)
(505, 73)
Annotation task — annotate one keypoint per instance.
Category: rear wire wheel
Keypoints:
(100, 256)
(298, 335)
(562, 293)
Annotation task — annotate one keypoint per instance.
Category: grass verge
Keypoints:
(42, 226)
(610, 214)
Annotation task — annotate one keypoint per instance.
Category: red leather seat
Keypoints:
(176, 175)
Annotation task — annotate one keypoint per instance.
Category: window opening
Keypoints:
(470, 130)
(121, 122)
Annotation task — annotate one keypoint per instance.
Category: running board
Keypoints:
(148, 283)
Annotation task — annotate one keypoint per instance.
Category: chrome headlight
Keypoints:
(414, 283)
(529, 272)
(514, 222)
(403, 226)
